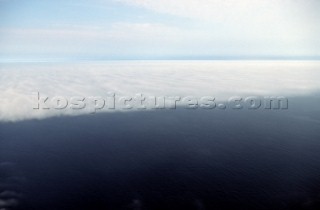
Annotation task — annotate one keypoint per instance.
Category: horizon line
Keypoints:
(62, 60)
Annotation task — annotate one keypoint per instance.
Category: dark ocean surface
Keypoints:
(165, 159)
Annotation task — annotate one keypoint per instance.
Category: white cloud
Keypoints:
(157, 78)
(273, 23)
(227, 10)
(202, 9)
(219, 27)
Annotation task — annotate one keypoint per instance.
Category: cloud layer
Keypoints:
(151, 78)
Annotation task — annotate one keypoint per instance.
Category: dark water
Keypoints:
(179, 159)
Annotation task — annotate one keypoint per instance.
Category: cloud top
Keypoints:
(151, 78)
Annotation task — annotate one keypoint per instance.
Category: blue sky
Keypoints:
(159, 29)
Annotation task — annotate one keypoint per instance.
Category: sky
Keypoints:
(159, 29)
